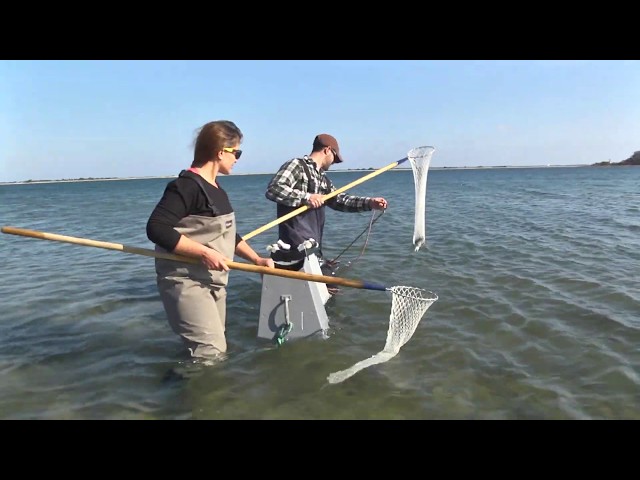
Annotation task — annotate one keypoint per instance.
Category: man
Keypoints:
(302, 181)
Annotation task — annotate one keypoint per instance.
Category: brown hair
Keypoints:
(213, 137)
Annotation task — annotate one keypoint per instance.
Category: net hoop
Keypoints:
(418, 153)
(414, 293)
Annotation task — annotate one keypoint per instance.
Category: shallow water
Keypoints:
(538, 314)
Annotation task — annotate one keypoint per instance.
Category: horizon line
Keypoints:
(100, 179)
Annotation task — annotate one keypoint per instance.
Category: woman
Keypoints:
(195, 218)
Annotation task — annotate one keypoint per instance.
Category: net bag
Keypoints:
(420, 158)
(408, 306)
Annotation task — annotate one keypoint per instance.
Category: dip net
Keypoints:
(420, 159)
(408, 306)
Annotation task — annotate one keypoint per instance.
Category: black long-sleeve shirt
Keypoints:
(183, 197)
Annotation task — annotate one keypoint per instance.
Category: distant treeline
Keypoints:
(80, 179)
(632, 160)
(86, 179)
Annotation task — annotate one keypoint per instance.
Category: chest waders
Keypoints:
(194, 297)
(298, 229)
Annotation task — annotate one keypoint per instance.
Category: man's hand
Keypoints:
(316, 200)
(378, 203)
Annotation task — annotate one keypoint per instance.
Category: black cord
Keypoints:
(373, 220)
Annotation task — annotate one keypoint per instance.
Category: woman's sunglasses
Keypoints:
(236, 153)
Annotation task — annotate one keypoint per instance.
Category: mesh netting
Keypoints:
(408, 306)
(420, 158)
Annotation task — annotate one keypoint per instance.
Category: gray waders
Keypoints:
(194, 297)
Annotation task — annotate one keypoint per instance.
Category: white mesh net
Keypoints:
(408, 306)
(420, 158)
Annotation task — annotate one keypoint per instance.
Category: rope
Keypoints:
(333, 262)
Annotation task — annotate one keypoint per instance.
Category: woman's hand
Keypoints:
(214, 260)
(265, 262)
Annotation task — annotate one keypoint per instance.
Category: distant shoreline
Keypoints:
(78, 180)
(111, 179)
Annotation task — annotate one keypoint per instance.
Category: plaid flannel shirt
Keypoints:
(290, 186)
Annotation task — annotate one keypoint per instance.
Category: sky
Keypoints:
(138, 118)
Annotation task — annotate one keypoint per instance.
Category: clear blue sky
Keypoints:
(70, 119)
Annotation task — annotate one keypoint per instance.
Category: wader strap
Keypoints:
(315, 188)
(198, 179)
